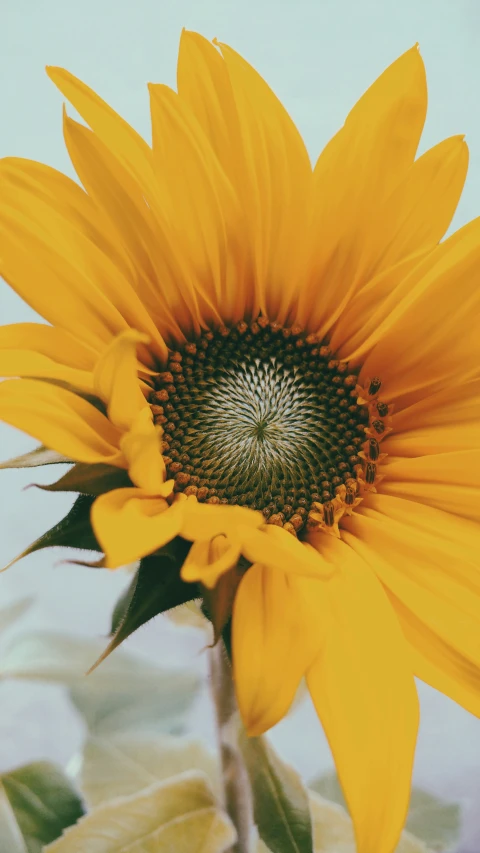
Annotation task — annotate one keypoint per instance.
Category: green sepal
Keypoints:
(89, 479)
(155, 588)
(73, 531)
(218, 602)
(40, 455)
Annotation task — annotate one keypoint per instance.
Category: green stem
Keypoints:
(237, 795)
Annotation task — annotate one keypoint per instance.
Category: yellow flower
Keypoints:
(229, 326)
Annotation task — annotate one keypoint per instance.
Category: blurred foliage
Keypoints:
(142, 784)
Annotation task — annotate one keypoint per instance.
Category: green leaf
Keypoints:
(73, 531)
(43, 803)
(89, 480)
(281, 807)
(155, 588)
(437, 822)
(178, 815)
(12, 612)
(123, 764)
(39, 456)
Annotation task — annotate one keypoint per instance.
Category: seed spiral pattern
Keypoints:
(261, 416)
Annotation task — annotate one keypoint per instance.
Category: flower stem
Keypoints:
(236, 791)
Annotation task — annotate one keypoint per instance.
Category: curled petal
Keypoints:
(130, 524)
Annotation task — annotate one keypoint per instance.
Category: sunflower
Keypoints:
(278, 365)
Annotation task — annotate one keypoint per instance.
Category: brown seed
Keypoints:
(182, 478)
(191, 490)
(202, 493)
(166, 377)
(277, 518)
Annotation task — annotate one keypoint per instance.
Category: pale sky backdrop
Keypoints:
(319, 56)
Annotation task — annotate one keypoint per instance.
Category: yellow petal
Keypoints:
(69, 199)
(53, 277)
(201, 203)
(448, 481)
(275, 638)
(412, 339)
(354, 175)
(61, 420)
(127, 144)
(428, 562)
(64, 236)
(49, 341)
(142, 450)
(442, 422)
(116, 379)
(203, 83)
(130, 524)
(203, 522)
(418, 212)
(275, 547)
(123, 199)
(438, 664)
(38, 351)
(274, 183)
(363, 689)
(207, 561)
(129, 176)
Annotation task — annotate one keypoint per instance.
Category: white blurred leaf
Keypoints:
(125, 692)
(122, 765)
(49, 656)
(178, 815)
(160, 707)
(12, 612)
(434, 820)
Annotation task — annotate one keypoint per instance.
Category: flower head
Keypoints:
(283, 364)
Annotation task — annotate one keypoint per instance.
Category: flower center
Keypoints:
(265, 417)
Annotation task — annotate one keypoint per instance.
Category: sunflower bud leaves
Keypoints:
(218, 601)
(34, 458)
(73, 531)
(155, 588)
(89, 479)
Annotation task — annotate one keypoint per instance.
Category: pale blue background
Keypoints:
(319, 55)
